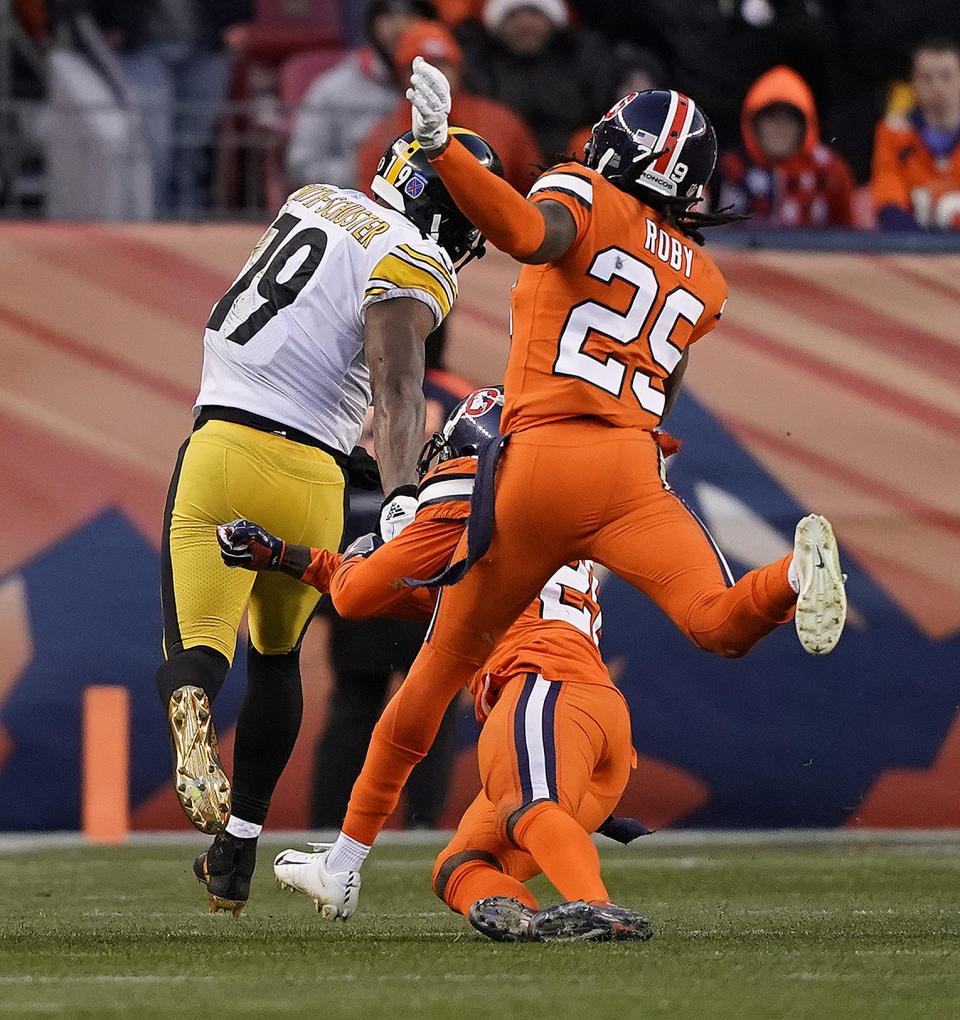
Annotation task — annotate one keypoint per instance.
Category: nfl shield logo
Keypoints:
(414, 187)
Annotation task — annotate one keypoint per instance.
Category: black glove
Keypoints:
(245, 544)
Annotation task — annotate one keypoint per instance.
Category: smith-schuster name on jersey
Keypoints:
(286, 341)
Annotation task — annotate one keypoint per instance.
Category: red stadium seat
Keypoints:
(283, 27)
(293, 79)
(298, 72)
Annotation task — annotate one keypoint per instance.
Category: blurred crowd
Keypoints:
(842, 113)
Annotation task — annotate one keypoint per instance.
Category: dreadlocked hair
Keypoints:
(675, 209)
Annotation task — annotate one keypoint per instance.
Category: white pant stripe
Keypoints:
(533, 733)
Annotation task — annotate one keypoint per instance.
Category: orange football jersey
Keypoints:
(907, 175)
(596, 332)
(557, 636)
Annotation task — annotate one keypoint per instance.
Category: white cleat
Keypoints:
(335, 893)
(822, 600)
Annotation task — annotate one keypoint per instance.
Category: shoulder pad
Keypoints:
(448, 482)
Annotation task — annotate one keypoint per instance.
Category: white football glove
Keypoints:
(430, 100)
(397, 511)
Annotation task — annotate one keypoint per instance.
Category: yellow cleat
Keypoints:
(201, 784)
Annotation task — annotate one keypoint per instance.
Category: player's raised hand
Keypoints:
(429, 96)
(245, 544)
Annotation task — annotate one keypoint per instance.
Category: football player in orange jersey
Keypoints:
(555, 749)
(613, 291)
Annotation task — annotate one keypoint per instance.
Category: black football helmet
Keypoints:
(407, 182)
(649, 122)
(475, 419)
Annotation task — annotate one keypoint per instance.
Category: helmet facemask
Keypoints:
(472, 422)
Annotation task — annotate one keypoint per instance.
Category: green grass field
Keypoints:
(865, 931)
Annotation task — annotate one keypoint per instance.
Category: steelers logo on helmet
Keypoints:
(473, 422)
(665, 125)
(407, 182)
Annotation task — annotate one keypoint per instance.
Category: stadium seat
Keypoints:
(294, 77)
(250, 144)
(298, 72)
(283, 27)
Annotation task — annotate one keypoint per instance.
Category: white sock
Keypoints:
(792, 578)
(243, 830)
(346, 854)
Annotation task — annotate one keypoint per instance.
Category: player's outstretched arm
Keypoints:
(369, 580)
(532, 232)
(394, 335)
(246, 544)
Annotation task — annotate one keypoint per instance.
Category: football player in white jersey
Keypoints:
(328, 315)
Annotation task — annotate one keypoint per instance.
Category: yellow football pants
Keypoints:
(226, 471)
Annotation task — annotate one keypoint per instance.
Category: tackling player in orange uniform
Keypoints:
(613, 293)
(556, 732)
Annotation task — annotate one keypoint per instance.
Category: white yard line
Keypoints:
(946, 839)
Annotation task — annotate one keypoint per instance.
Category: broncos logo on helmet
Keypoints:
(665, 125)
(473, 421)
(407, 182)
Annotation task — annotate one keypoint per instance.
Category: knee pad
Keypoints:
(198, 666)
(445, 867)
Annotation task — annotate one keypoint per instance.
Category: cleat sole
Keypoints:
(201, 785)
(822, 601)
(234, 907)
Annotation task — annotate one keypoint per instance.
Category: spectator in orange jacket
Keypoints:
(916, 158)
(504, 130)
(783, 175)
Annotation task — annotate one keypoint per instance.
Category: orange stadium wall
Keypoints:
(833, 383)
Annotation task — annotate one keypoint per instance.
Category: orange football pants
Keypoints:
(565, 746)
(565, 491)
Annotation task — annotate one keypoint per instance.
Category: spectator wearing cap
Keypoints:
(916, 158)
(783, 175)
(341, 105)
(527, 56)
(502, 128)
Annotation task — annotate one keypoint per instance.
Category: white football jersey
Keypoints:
(286, 340)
